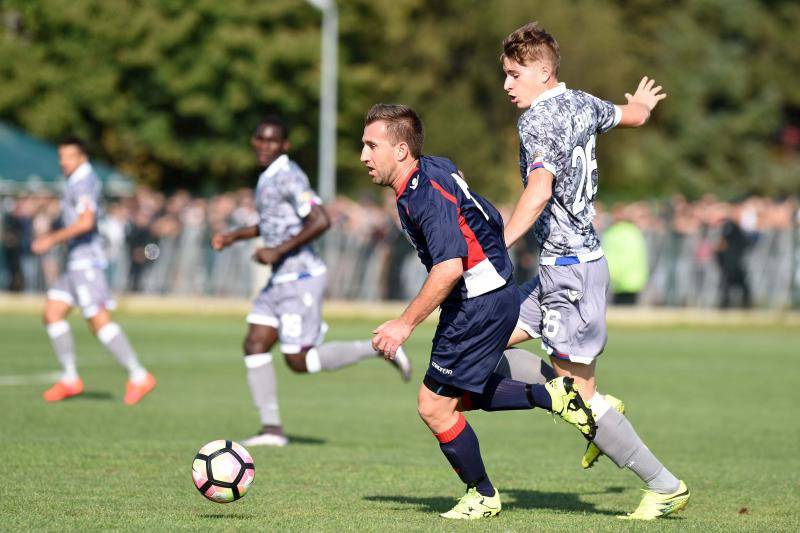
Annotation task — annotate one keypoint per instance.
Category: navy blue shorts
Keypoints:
(471, 337)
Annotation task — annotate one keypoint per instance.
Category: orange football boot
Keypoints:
(63, 390)
(136, 391)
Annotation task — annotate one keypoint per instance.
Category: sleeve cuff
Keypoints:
(617, 116)
(542, 164)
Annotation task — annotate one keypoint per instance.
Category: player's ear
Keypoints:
(545, 71)
(401, 151)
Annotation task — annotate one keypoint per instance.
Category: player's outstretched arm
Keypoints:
(530, 205)
(314, 225)
(84, 224)
(641, 103)
(223, 240)
(440, 281)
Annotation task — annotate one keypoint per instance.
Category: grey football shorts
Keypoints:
(85, 288)
(294, 308)
(565, 306)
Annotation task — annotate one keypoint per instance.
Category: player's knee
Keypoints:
(296, 362)
(254, 344)
(50, 316)
(429, 410)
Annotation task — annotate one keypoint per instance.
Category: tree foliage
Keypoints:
(170, 90)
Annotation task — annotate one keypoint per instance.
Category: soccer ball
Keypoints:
(223, 471)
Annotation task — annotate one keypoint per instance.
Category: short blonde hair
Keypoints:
(531, 43)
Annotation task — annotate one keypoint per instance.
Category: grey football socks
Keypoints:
(334, 355)
(64, 346)
(116, 342)
(618, 440)
(615, 435)
(263, 387)
(521, 365)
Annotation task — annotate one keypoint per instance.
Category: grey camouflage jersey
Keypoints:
(558, 133)
(283, 199)
(83, 191)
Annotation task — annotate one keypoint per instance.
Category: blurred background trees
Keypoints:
(170, 90)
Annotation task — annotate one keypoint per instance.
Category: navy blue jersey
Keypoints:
(444, 220)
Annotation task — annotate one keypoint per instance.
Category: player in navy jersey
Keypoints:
(565, 304)
(458, 236)
(289, 309)
(83, 282)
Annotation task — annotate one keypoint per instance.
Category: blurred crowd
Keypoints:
(704, 253)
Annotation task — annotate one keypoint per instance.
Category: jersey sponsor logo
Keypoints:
(443, 370)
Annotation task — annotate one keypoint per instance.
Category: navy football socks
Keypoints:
(459, 444)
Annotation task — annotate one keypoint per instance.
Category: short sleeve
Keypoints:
(539, 142)
(85, 195)
(608, 115)
(298, 192)
(435, 213)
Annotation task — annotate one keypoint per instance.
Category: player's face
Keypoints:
(524, 83)
(378, 154)
(268, 144)
(70, 158)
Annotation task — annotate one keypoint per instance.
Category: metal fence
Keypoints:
(379, 265)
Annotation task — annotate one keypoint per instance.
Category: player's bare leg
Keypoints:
(519, 335)
(110, 334)
(60, 333)
(459, 444)
(618, 440)
(263, 385)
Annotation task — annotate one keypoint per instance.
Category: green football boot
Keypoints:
(655, 505)
(593, 453)
(474, 505)
(568, 404)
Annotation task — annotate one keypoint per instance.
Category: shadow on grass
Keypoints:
(94, 395)
(225, 516)
(302, 439)
(512, 499)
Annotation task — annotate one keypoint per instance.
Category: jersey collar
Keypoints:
(561, 88)
(80, 173)
(276, 165)
(407, 177)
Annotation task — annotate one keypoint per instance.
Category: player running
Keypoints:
(289, 308)
(459, 238)
(565, 304)
(83, 282)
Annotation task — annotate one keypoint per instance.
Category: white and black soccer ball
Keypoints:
(223, 471)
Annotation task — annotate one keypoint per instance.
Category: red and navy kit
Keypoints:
(445, 220)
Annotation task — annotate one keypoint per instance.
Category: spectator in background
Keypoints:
(626, 251)
(731, 250)
(139, 237)
(13, 229)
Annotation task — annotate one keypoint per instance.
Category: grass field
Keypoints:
(718, 405)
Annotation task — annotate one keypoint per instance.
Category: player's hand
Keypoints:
(647, 94)
(390, 335)
(41, 244)
(267, 256)
(221, 241)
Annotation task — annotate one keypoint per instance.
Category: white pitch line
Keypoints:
(28, 379)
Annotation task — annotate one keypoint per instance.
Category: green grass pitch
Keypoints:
(718, 405)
